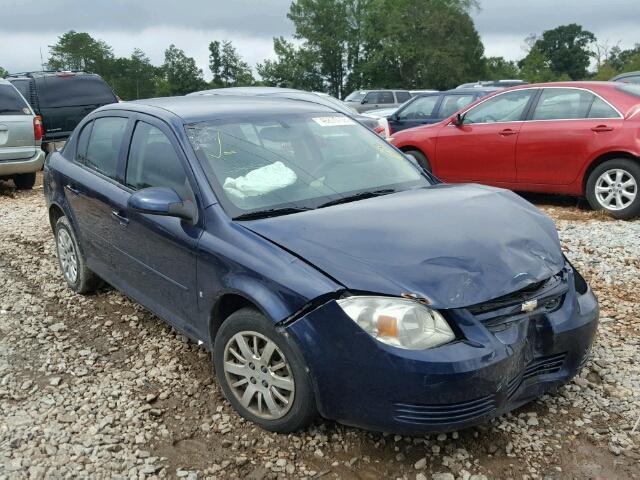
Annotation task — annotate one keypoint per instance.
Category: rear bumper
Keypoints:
(361, 382)
(29, 165)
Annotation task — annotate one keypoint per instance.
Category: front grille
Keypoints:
(438, 414)
(549, 295)
(544, 365)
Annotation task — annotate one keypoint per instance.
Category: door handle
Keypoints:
(73, 190)
(124, 221)
(507, 132)
(602, 128)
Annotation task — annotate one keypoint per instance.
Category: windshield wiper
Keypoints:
(358, 196)
(273, 212)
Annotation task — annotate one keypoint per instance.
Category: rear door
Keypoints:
(564, 130)
(17, 140)
(66, 98)
(93, 194)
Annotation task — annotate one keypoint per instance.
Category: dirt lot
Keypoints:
(98, 387)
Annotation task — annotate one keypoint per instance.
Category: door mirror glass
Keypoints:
(161, 201)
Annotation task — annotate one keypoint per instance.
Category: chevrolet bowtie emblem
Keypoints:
(529, 305)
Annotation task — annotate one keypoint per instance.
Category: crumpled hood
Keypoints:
(457, 245)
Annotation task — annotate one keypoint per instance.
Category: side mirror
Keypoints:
(458, 120)
(162, 201)
(363, 101)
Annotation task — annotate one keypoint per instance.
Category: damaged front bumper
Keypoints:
(501, 360)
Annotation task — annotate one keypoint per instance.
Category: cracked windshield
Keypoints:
(297, 161)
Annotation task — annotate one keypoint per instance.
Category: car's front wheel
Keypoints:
(262, 374)
(71, 260)
(613, 187)
(420, 158)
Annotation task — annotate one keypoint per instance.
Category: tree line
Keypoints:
(343, 45)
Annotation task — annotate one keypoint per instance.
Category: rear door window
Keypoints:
(402, 96)
(386, 97)
(563, 104)
(104, 145)
(73, 91)
(601, 109)
(83, 141)
(11, 103)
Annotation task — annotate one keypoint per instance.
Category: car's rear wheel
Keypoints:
(25, 181)
(420, 158)
(262, 373)
(71, 260)
(613, 187)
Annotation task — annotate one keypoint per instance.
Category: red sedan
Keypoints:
(576, 138)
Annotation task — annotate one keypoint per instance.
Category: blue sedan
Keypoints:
(325, 271)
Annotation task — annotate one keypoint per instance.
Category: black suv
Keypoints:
(62, 99)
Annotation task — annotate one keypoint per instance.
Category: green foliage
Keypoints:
(420, 44)
(535, 67)
(497, 68)
(180, 75)
(134, 77)
(80, 51)
(3, 72)
(324, 27)
(293, 68)
(227, 66)
(568, 50)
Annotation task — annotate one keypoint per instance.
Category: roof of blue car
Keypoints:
(200, 108)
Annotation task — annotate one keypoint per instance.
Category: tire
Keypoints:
(420, 158)
(626, 203)
(70, 259)
(25, 181)
(301, 409)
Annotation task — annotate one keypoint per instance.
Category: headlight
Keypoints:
(398, 322)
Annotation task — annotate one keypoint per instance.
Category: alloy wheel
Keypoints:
(259, 375)
(67, 255)
(616, 189)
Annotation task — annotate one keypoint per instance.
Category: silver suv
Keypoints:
(20, 138)
(365, 100)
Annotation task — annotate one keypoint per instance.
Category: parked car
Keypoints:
(20, 137)
(493, 83)
(324, 269)
(294, 94)
(629, 77)
(433, 107)
(363, 100)
(575, 138)
(62, 99)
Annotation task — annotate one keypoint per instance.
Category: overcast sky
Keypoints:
(27, 26)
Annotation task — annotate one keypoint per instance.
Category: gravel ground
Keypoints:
(98, 387)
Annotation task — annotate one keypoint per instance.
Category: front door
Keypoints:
(483, 148)
(161, 250)
(564, 130)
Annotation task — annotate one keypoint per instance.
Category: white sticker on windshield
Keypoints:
(336, 121)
